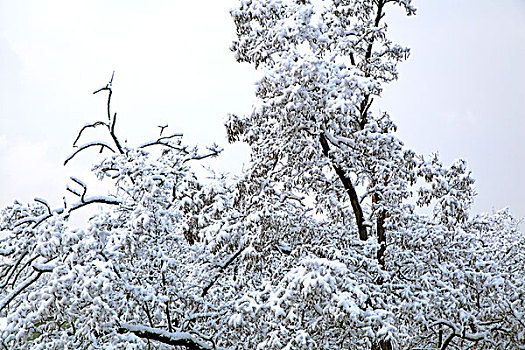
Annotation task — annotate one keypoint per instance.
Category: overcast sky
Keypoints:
(462, 92)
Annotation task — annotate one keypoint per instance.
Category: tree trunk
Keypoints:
(350, 189)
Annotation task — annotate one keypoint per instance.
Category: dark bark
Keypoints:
(379, 15)
(380, 228)
(175, 339)
(448, 341)
(381, 237)
(350, 189)
(382, 345)
(222, 267)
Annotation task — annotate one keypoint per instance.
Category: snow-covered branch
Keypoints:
(185, 339)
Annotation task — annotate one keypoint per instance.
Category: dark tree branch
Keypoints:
(112, 128)
(345, 180)
(111, 122)
(222, 268)
(175, 339)
(12, 269)
(170, 137)
(146, 311)
(93, 200)
(381, 237)
(115, 139)
(27, 263)
(78, 205)
(168, 317)
(94, 125)
(203, 156)
(352, 58)
(350, 190)
(448, 341)
(87, 145)
(44, 202)
(162, 127)
(379, 15)
(19, 289)
(109, 89)
(83, 185)
(164, 144)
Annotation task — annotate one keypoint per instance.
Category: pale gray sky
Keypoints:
(462, 92)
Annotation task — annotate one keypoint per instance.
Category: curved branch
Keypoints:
(44, 202)
(108, 88)
(93, 200)
(94, 125)
(111, 123)
(85, 146)
(78, 205)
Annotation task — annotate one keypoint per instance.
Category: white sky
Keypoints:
(462, 92)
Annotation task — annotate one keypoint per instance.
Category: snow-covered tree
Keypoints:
(319, 148)
(320, 244)
(138, 272)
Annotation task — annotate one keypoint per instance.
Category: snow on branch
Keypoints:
(222, 266)
(171, 338)
(87, 145)
(80, 183)
(93, 200)
(44, 202)
(93, 125)
(5, 302)
(160, 142)
(82, 203)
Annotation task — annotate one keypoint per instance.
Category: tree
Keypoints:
(316, 140)
(316, 246)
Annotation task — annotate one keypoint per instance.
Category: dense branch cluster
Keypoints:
(320, 244)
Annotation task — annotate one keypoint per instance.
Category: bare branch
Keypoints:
(105, 88)
(170, 137)
(162, 127)
(214, 152)
(203, 156)
(27, 263)
(94, 125)
(78, 205)
(111, 122)
(83, 185)
(164, 144)
(74, 191)
(350, 190)
(112, 129)
(85, 146)
(44, 202)
(109, 89)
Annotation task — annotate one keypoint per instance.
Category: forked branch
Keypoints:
(110, 125)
